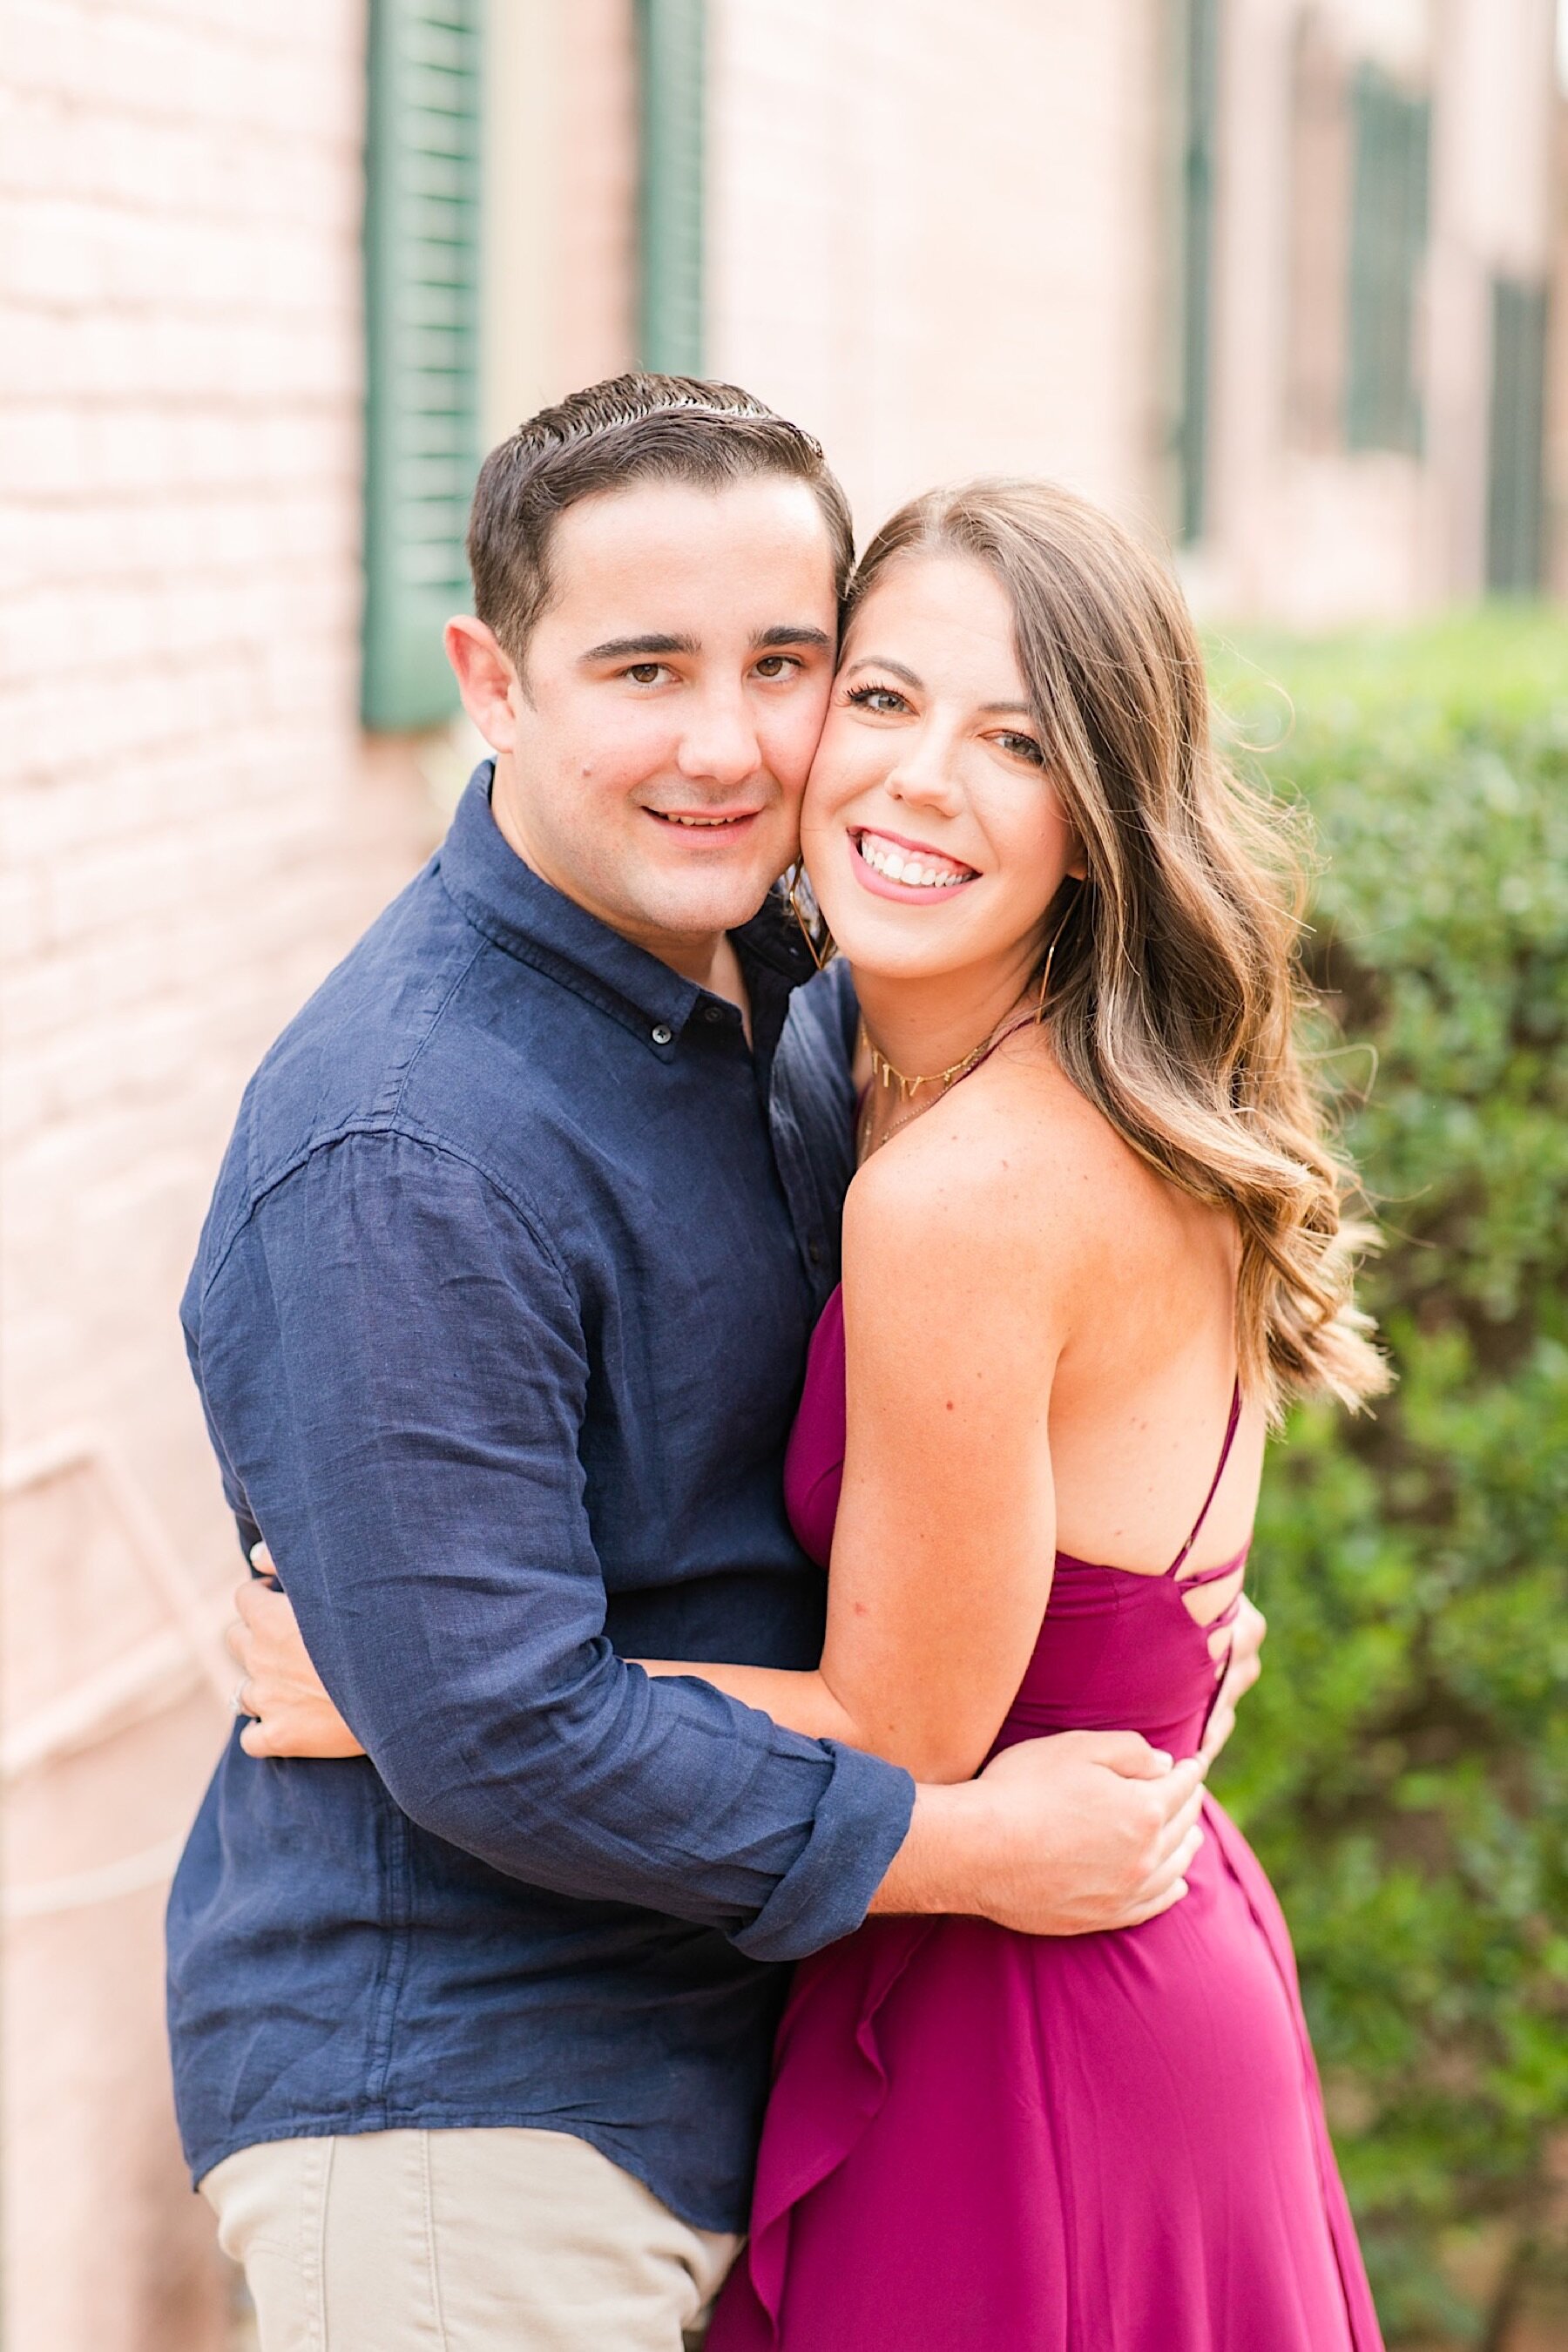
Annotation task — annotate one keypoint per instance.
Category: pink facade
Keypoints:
(1303, 528)
(949, 241)
(193, 829)
(939, 234)
(932, 237)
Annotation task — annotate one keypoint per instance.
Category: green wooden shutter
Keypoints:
(1515, 483)
(671, 47)
(422, 298)
(1388, 241)
(1199, 22)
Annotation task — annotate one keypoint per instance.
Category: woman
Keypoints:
(1094, 1242)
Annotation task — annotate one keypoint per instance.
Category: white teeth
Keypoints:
(706, 823)
(912, 871)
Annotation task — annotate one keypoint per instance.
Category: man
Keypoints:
(499, 1317)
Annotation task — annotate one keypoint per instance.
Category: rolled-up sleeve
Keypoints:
(394, 1366)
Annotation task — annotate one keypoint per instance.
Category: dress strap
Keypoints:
(1232, 1425)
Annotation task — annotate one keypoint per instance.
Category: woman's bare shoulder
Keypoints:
(1016, 1133)
(1012, 1171)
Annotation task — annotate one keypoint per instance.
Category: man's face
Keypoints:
(670, 697)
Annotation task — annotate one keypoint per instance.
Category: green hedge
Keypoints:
(1403, 1767)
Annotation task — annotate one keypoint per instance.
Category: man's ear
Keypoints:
(486, 675)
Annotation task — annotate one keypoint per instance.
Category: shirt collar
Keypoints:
(531, 919)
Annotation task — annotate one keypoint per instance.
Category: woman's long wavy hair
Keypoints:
(1175, 984)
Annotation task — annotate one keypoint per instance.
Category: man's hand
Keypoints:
(1066, 1836)
(1242, 1670)
(280, 1687)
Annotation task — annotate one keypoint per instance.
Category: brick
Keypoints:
(39, 146)
(48, 255)
(25, 1110)
(24, 927)
(42, 452)
(43, 1005)
(51, 633)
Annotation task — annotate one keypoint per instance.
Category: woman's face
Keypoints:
(933, 836)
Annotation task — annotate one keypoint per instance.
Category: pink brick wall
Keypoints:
(191, 829)
(935, 235)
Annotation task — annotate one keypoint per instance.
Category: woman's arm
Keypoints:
(294, 1716)
(956, 1286)
(956, 1279)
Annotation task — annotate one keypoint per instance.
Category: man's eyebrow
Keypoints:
(645, 648)
(639, 648)
(786, 632)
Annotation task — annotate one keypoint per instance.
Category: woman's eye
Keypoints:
(777, 665)
(882, 699)
(1021, 747)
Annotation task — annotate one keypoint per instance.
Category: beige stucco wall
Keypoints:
(191, 830)
(560, 159)
(1315, 537)
(932, 236)
(941, 237)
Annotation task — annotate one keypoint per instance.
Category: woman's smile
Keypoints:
(892, 867)
(929, 780)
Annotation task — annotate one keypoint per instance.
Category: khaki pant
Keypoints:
(503, 2241)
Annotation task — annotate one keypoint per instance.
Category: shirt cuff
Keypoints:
(861, 1821)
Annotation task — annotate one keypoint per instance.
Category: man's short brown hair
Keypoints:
(633, 429)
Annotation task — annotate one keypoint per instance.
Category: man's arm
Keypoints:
(420, 1485)
(395, 1373)
(1063, 1836)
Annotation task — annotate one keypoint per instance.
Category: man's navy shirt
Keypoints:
(499, 1317)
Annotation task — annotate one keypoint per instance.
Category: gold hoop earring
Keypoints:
(809, 924)
(1051, 957)
(1045, 980)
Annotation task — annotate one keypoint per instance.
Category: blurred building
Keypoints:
(1284, 282)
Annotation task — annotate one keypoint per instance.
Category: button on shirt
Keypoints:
(498, 1319)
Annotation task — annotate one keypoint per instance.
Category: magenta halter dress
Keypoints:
(979, 2141)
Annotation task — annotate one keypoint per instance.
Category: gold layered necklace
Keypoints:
(884, 1074)
(887, 1077)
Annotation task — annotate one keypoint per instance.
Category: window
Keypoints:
(422, 296)
(1388, 242)
(1320, 238)
(670, 52)
(1198, 24)
(1515, 489)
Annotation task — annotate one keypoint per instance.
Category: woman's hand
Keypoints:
(280, 1688)
(1241, 1673)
